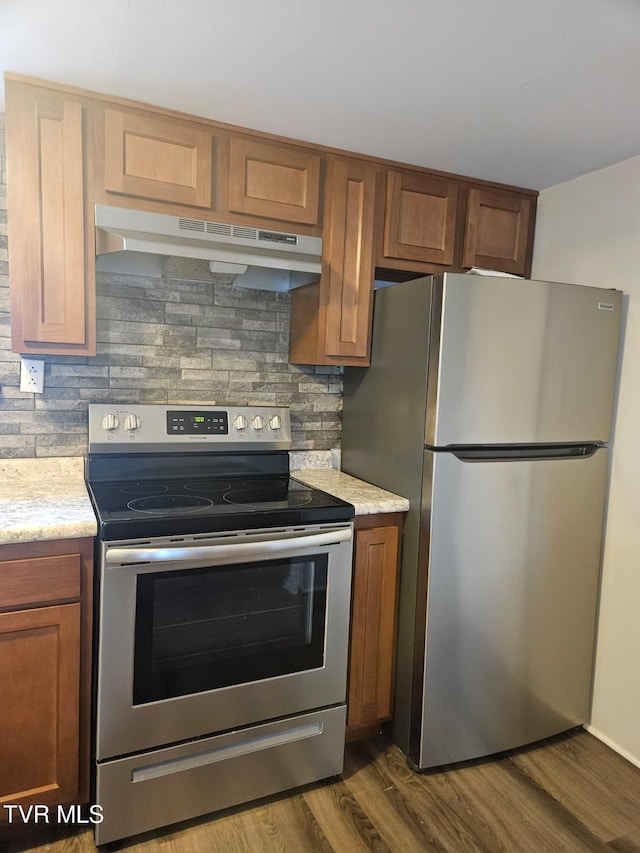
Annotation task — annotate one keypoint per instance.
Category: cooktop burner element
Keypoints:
(268, 498)
(169, 503)
(158, 470)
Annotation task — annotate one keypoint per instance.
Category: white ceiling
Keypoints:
(529, 92)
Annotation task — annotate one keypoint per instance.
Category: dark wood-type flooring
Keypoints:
(569, 794)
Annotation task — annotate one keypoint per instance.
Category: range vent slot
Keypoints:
(191, 225)
(247, 233)
(219, 228)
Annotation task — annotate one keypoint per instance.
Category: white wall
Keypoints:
(588, 232)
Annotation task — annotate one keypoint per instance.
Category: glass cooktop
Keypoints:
(134, 509)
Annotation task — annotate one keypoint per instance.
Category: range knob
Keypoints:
(275, 422)
(258, 422)
(240, 423)
(131, 422)
(109, 423)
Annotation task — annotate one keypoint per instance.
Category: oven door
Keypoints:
(211, 633)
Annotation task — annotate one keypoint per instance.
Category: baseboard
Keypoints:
(616, 748)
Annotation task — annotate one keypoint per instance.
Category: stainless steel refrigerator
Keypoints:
(488, 404)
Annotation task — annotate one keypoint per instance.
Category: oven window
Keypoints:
(201, 629)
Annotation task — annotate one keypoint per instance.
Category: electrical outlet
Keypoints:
(32, 375)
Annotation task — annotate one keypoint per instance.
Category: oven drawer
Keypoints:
(141, 793)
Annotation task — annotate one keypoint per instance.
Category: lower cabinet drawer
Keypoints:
(176, 783)
(40, 579)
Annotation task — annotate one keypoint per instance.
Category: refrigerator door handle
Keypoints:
(515, 453)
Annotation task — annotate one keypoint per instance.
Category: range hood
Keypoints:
(258, 257)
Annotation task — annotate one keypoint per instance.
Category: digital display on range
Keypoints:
(197, 423)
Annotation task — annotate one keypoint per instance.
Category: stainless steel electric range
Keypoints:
(223, 613)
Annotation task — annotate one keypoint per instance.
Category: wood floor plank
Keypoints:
(264, 831)
(624, 845)
(278, 826)
(570, 795)
(48, 841)
(500, 809)
(272, 826)
(232, 834)
(592, 781)
(405, 800)
(451, 815)
(344, 822)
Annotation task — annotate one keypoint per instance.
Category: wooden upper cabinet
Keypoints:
(331, 320)
(68, 150)
(499, 231)
(157, 157)
(351, 187)
(50, 226)
(420, 218)
(274, 181)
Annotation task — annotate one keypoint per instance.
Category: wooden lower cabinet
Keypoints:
(45, 665)
(40, 666)
(373, 623)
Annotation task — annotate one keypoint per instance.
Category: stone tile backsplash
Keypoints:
(163, 340)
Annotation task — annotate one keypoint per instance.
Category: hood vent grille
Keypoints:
(243, 231)
(121, 230)
(235, 231)
(191, 225)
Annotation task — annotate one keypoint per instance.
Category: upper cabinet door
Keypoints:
(348, 269)
(270, 180)
(420, 218)
(50, 254)
(159, 158)
(498, 232)
(331, 319)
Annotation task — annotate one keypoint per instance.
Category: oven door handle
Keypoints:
(261, 548)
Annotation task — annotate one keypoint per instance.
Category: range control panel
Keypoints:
(197, 423)
(153, 428)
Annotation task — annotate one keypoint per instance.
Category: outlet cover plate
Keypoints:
(32, 375)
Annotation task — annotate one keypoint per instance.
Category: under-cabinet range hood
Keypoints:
(258, 257)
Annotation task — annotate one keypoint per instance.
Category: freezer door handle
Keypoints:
(514, 453)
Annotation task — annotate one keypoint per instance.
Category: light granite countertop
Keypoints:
(366, 499)
(44, 499)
